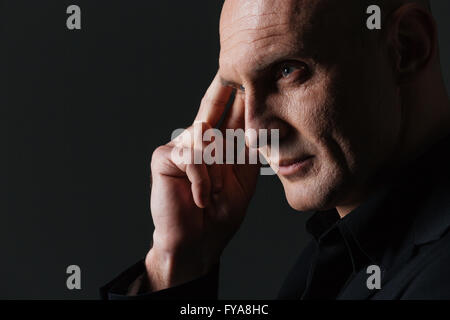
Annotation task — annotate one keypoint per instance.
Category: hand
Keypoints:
(196, 208)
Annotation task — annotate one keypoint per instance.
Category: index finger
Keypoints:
(235, 118)
(214, 102)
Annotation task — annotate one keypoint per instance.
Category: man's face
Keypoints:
(304, 67)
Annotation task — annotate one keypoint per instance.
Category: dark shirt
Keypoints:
(402, 229)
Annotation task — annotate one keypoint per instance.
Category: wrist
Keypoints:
(167, 269)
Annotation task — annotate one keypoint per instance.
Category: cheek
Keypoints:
(307, 110)
(315, 116)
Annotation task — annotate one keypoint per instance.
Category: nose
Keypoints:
(255, 114)
(261, 115)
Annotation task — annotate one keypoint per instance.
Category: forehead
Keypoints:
(254, 32)
(254, 25)
(239, 15)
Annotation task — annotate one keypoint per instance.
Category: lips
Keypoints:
(298, 165)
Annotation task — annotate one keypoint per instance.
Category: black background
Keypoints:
(81, 113)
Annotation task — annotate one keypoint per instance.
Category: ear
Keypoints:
(412, 40)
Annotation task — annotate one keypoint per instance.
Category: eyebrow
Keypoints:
(269, 63)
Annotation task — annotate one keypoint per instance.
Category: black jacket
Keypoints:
(403, 229)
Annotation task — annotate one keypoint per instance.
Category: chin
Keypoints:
(304, 201)
(314, 193)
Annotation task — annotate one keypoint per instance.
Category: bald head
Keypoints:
(269, 26)
(260, 13)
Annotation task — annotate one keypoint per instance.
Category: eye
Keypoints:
(286, 70)
(241, 88)
(293, 71)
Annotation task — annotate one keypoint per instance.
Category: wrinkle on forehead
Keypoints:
(250, 17)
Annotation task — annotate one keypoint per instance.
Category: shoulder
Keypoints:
(433, 279)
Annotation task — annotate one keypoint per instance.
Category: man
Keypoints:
(363, 117)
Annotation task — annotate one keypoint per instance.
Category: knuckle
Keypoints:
(212, 101)
(158, 154)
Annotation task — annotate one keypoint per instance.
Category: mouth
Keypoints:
(296, 166)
